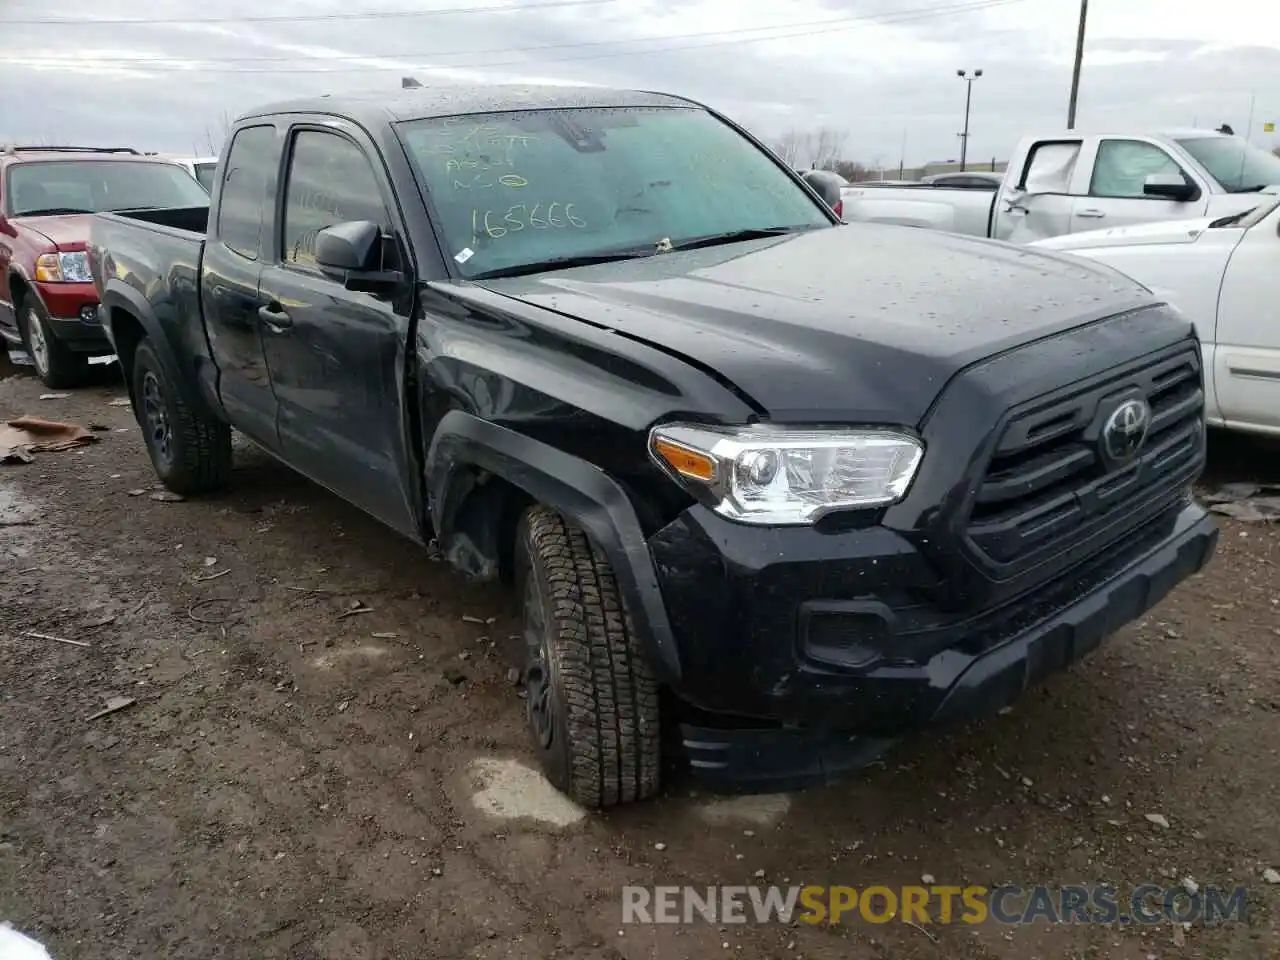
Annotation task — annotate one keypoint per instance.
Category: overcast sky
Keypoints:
(878, 69)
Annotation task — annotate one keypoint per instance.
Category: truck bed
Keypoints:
(177, 221)
(953, 209)
(147, 263)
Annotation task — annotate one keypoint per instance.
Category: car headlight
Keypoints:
(778, 476)
(63, 268)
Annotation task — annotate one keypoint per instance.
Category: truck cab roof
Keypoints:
(381, 106)
(1171, 133)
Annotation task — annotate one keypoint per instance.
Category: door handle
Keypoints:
(1091, 212)
(273, 316)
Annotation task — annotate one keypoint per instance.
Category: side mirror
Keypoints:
(353, 251)
(827, 186)
(1170, 186)
(349, 246)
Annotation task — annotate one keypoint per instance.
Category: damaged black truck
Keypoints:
(782, 488)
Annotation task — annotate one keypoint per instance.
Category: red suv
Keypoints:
(47, 300)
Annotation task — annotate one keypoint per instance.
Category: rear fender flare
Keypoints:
(119, 295)
(578, 490)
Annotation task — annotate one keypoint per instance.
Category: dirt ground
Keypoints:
(299, 780)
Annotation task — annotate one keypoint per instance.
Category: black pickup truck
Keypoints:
(781, 487)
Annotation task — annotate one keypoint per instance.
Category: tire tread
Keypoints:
(610, 695)
(202, 462)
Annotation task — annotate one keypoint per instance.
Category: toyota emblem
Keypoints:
(1125, 430)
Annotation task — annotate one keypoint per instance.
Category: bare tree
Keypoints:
(825, 147)
(1276, 151)
(790, 147)
(215, 135)
(852, 171)
(820, 149)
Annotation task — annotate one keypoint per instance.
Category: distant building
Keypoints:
(929, 169)
(953, 166)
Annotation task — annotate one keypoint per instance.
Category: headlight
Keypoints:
(63, 268)
(780, 476)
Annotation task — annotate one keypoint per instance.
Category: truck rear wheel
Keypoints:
(190, 449)
(592, 697)
(57, 365)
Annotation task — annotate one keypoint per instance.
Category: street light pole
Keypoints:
(1075, 70)
(968, 100)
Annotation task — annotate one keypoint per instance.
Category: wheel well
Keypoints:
(128, 332)
(482, 535)
(18, 290)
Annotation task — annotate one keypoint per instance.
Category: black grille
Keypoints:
(1047, 485)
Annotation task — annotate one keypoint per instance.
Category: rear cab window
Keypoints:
(243, 203)
(524, 187)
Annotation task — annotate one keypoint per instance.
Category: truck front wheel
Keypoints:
(190, 449)
(592, 698)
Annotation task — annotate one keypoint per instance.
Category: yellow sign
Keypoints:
(1268, 128)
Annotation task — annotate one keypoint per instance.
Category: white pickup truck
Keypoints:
(1223, 274)
(1070, 182)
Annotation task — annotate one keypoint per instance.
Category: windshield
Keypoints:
(98, 186)
(528, 187)
(1235, 164)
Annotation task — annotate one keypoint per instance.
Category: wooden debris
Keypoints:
(114, 705)
(48, 636)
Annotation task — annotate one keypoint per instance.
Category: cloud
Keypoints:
(882, 70)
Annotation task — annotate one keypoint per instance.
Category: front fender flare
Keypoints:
(578, 490)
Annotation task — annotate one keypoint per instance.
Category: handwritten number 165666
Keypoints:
(520, 216)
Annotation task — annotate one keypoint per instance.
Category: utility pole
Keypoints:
(968, 100)
(1075, 70)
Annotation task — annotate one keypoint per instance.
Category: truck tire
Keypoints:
(592, 697)
(190, 449)
(57, 365)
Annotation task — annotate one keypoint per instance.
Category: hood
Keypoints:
(1139, 234)
(854, 323)
(66, 232)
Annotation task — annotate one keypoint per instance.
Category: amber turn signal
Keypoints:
(684, 461)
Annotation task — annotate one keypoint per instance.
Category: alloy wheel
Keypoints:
(538, 677)
(37, 343)
(156, 416)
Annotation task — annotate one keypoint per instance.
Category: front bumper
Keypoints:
(795, 686)
(72, 309)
